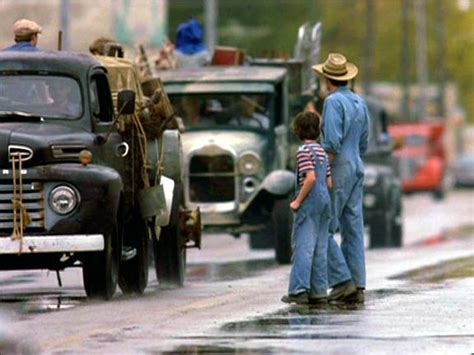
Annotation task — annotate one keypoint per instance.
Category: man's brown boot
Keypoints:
(342, 291)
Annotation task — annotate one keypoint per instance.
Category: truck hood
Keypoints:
(235, 141)
(39, 139)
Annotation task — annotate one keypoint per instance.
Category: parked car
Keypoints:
(463, 171)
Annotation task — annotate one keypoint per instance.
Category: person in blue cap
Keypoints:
(26, 36)
(346, 130)
(190, 48)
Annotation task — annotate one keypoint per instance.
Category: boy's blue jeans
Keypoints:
(309, 244)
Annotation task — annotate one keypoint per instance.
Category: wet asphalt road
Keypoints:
(231, 302)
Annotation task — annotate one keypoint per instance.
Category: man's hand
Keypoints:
(295, 205)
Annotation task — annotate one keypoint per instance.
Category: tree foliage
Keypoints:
(270, 26)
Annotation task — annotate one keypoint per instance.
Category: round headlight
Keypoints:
(369, 200)
(63, 199)
(249, 163)
(370, 177)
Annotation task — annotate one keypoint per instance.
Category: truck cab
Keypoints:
(422, 156)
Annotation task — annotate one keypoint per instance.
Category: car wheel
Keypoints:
(170, 250)
(133, 276)
(100, 271)
(282, 219)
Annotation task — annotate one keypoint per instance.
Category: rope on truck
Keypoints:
(21, 217)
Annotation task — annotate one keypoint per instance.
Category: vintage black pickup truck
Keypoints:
(71, 184)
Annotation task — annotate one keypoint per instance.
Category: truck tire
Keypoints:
(262, 239)
(397, 227)
(133, 276)
(100, 271)
(439, 194)
(380, 233)
(169, 250)
(282, 220)
(397, 234)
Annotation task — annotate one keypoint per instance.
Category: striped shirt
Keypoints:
(305, 160)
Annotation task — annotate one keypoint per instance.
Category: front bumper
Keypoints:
(53, 244)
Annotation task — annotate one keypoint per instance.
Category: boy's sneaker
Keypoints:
(342, 291)
(300, 298)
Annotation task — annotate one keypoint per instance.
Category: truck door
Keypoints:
(111, 149)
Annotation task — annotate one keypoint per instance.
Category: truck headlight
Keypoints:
(249, 163)
(369, 200)
(370, 176)
(63, 199)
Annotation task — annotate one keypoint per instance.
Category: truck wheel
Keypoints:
(100, 270)
(282, 219)
(439, 194)
(133, 276)
(397, 233)
(261, 239)
(380, 233)
(169, 250)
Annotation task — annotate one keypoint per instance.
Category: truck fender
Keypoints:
(172, 155)
(278, 183)
(168, 189)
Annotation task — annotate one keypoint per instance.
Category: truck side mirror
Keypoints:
(384, 121)
(126, 102)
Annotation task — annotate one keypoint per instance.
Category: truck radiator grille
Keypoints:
(33, 201)
(408, 168)
(212, 178)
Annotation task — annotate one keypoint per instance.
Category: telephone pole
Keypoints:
(211, 11)
(405, 61)
(421, 59)
(368, 47)
(64, 24)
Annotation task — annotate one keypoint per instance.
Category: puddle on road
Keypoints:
(30, 304)
(228, 271)
(216, 349)
(452, 269)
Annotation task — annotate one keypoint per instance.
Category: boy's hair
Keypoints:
(306, 125)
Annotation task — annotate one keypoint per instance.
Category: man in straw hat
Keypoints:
(26, 36)
(345, 127)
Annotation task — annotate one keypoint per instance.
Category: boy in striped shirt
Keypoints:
(308, 277)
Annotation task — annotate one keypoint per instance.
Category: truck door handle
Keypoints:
(122, 149)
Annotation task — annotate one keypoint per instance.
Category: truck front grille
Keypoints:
(408, 168)
(32, 200)
(212, 178)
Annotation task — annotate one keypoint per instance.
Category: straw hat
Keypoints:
(336, 67)
(25, 27)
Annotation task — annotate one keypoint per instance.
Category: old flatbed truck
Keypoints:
(73, 190)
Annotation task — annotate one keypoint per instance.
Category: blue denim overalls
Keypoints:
(310, 236)
(346, 127)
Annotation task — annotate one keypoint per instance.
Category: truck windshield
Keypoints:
(242, 111)
(46, 96)
(415, 140)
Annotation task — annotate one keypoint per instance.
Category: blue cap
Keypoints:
(189, 38)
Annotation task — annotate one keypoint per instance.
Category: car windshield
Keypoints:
(41, 95)
(242, 111)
